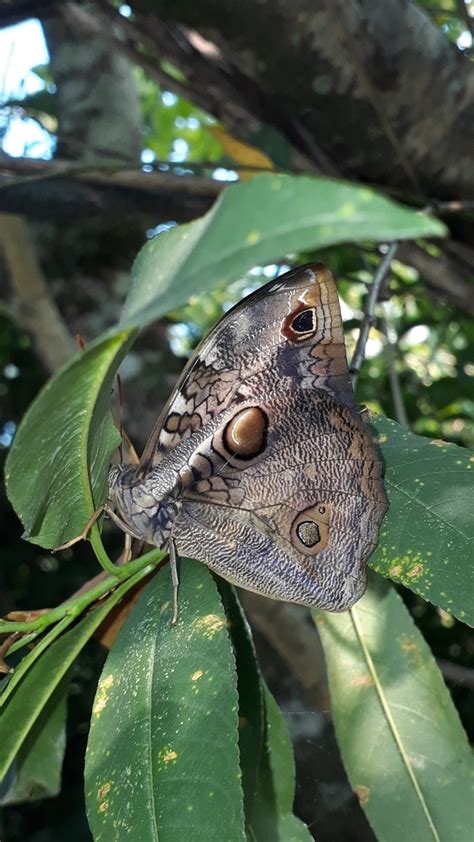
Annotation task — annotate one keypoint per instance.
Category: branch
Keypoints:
(391, 348)
(69, 190)
(369, 311)
(39, 314)
(212, 82)
(331, 68)
(440, 275)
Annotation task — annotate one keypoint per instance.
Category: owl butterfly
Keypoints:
(260, 464)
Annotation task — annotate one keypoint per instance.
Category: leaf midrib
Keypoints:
(357, 625)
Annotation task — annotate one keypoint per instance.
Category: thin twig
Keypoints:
(395, 388)
(453, 206)
(369, 311)
(116, 175)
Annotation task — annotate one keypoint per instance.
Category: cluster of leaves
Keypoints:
(147, 769)
(170, 119)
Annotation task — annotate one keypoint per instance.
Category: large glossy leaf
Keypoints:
(30, 697)
(427, 538)
(36, 770)
(250, 692)
(273, 811)
(56, 469)
(163, 759)
(405, 752)
(257, 222)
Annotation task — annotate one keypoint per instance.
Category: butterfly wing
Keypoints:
(292, 325)
(280, 482)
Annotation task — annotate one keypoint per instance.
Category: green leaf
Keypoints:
(254, 223)
(250, 692)
(163, 760)
(36, 770)
(404, 749)
(273, 817)
(280, 753)
(25, 705)
(56, 469)
(427, 536)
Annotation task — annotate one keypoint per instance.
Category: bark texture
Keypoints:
(376, 87)
(97, 99)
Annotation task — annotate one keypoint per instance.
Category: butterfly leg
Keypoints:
(174, 580)
(84, 533)
(127, 552)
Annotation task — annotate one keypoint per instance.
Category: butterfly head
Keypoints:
(142, 512)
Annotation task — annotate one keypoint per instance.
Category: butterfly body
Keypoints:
(260, 464)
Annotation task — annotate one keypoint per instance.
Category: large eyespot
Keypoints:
(300, 324)
(245, 435)
(310, 529)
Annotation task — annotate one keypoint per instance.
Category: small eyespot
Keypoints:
(308, 533)
(310, 530)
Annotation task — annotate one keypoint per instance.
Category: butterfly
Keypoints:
(260, 464)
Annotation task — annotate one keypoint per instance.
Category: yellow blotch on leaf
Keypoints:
(408, 645)
(102, 696)
(103, 807)
(210, 625)
(364, 680)
(362, 793)
(348, 209)
(103, 791)
(169, 756)
(197, 675)
(252, 238)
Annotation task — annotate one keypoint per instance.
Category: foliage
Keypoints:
(183, 712)
(157, 752)
(400, 736)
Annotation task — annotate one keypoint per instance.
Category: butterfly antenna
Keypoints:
(120, 419)
(133, 456)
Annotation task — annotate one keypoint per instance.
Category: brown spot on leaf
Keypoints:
(362, 793)
(364, 680)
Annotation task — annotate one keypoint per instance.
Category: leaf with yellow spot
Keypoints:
(164, 745)
(403, 746)
(427, 536)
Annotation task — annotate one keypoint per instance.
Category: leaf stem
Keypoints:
(369, 310)
(101, 553)
(75, 605)
(32, 656)
(63, 624)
